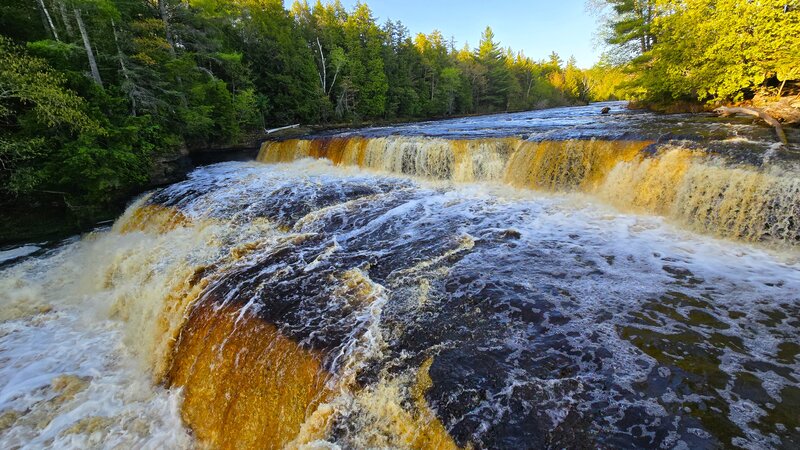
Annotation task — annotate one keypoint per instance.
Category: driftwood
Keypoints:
(281, 128)
(725, 111)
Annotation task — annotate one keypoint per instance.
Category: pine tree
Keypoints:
(498, 78)
(365, 62)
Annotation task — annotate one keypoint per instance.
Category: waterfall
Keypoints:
(312, 305)
(688, 186)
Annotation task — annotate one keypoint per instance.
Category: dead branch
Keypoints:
(281, 128)
(725, 111)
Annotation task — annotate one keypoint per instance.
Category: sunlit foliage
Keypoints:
(96, 92)
(708, 50)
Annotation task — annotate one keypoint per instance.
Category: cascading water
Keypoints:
(742, 202)
(420, 292)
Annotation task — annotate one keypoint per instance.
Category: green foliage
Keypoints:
(33, 98)
(29, 85)
(498, 78)
(713, 50)
(92, 99)
(285, 74)
(631, 27)
(607, 81)
(576, 83)
(94, 171)
(21, 19)
(363, 42)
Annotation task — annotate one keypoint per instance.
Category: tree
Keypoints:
(364, 42)
(48, 20)
(525, 72)
(87, 44)
(32, 95)
(576, 84)
(606, 81)
(402, 64)
(475, 75)
(96, 92)
(631, 25)
(709, 50)
(498, 78)
(449, 89)
(725, 47)
(287, 77)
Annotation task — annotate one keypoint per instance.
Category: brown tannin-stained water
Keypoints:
(421, 288)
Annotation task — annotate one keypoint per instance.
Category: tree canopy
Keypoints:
(93, 92)
(708, 50)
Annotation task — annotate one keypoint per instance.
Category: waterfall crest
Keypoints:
(698, 190)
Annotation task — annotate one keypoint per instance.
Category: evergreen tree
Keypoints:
(631, 27)
(286, 76)
(498, 78)
(402, 63)
(95, 92)
(364, 43)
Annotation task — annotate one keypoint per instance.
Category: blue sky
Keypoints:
(535, 27)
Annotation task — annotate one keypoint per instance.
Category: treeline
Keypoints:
(712, 51)
(93, 91)
(368, 71)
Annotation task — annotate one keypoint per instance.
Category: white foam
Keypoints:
(108, 402)
(17, 252)
(84, 311)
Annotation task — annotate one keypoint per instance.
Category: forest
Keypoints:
(709, 51)
(94, 92)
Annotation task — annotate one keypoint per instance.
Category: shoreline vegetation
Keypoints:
(103, 99)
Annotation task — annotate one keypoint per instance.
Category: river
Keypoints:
(547, 279)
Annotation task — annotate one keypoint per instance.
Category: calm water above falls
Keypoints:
(739, 137)
(495, 292)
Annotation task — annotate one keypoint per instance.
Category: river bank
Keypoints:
(785, 109)
(741, 138)
(50, 217)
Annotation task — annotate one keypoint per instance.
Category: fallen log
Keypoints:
(725, 111)
(273, 130)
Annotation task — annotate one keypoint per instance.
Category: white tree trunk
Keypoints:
(162, 8)
(65, 19)
(124, 68)
(274, 130)
(49, 20)
(88, 46)
(323, 76)
(335, 74)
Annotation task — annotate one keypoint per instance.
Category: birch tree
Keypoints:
(49, 20)
(87, 45)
